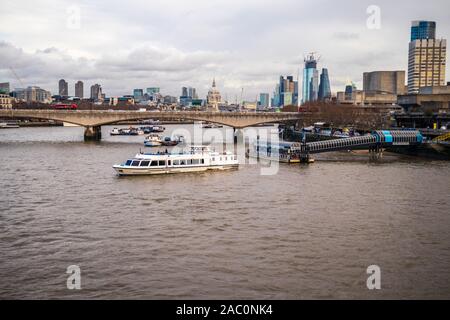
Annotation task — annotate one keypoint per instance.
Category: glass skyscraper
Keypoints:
(423, 30)
(285, 87)
(138, 94)
(264, 100)
(310, 80)
(324, 86)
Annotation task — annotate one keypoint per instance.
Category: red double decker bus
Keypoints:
(65, 106)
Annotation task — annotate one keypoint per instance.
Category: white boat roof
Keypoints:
(180, 155)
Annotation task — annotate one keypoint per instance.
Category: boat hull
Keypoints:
(136, 171)
(277, 159)
(152, 144)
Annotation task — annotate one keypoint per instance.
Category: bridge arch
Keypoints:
(38, 117)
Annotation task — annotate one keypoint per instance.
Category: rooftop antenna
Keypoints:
(298, 87)
(242, 95)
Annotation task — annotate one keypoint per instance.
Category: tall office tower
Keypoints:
(295, 97)
(153, 93)
(96, 92)
(79, 89)
(138, 95)
(153, 90)
(310, 80)
(192, 93)
(4, 88)
(281, 89)
(63, 87)
(286, 92)
(324, 86)
(264, 100)
(427, 58)
(276, 96)
(187, 94)
(184, 91)
(423, 30)
(350, 90)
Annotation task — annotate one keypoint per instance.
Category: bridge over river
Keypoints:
(92, 120)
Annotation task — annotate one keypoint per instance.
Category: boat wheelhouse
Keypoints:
(196, 159)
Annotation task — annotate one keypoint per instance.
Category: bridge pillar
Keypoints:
(93, 133)
(239, 144)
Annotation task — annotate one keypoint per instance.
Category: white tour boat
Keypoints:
(8, 125)
(197, 158)
(153, 140)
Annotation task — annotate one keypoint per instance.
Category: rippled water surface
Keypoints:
(307, 232)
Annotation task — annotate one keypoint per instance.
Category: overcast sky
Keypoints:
(173, 43)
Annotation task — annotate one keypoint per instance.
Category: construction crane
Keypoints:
(16, 76)
(311, 56)
(242, 96)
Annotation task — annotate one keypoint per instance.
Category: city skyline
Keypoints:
(275, 35)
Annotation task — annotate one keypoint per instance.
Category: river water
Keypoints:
(305, 232)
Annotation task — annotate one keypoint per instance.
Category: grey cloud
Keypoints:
(171, 43)
(346, 35)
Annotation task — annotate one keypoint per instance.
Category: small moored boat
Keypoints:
(168, 141)
(115, 132)
(8, 125)
(158, 129)
(153, 140)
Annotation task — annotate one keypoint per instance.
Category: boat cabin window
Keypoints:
(135, 163)
(161, 163)
(195, 161)
(203, 161)
(169, 162)
(154, 163)
(144, 163)
(128, 163)
(176, 162)
(213, 159)
(182, 162)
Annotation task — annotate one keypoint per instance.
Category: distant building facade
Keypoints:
(153, 94)
(427, 57)
(4, 88)
(391, 82)
(96, 92)
(138, 95)
(63, 88)
(188, 94)
(264, 101)
(214, 98)
(5, 101)
(287, 89)
(351, 95)
(432, 98)
(32, 94)
(79, 89)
